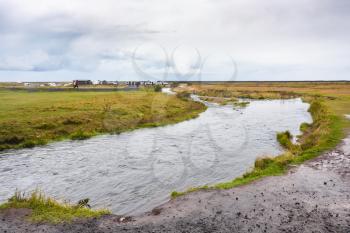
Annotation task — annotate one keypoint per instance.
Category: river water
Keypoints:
(135, 171)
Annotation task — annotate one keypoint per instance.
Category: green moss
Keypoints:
(45, 209)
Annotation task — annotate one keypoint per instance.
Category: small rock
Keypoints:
(156, 211)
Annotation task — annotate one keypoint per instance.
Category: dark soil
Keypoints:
(314, 197)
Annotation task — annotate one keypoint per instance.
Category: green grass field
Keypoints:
(28, 119)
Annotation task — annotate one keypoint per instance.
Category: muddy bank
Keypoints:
(314, 197)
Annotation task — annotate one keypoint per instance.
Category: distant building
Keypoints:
(103, 82)
(145, 83)
(77, 83)
(83, 82)
(31, 84)
(113, 83)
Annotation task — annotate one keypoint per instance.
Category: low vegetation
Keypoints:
(219, 93)
(304, 127)
(286, 141)
(219, 100)
(242, 104)
(157, 88)
(225, 101)
(46, 209)
(326, 131)
(28, 119)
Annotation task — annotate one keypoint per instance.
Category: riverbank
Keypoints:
(313, 197)
(326, 131)
(28, 119)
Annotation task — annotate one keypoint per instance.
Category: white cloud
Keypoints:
(276, 39)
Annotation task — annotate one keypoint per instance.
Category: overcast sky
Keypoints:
(61, 40)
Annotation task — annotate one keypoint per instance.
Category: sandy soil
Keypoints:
(314, 197)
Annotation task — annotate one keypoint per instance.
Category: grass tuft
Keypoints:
(241, 104)
(285, 140)
(304, 127)
(81, 135)
(46, 209)
(262, 163)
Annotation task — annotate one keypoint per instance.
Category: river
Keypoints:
(133, 172)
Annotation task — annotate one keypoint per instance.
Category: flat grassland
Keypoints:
(28, 118)
(336, 94)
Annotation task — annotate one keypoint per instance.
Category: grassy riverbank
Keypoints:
(46, 209)
(327, 107)
(28, 119)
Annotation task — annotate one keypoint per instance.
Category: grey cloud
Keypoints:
(55, 34)
(275, 39)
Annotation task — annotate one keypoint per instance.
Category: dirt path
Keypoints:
(314, 197)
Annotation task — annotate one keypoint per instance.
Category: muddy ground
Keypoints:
(314, 197)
